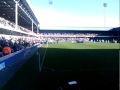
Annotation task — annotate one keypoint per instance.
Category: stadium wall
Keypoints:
(11, 63)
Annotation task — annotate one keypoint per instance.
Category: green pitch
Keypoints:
(67, 56)
(93, 65)
(86, 45)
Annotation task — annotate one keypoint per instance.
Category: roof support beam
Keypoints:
(32, 26)
(16, 15)
(38, 27)
(26, 13)
(37, 30)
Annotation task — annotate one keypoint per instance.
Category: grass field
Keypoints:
(93, 66)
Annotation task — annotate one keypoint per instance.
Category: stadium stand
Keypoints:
(81, 36)
(8, 33)
(6, 23)
(26, 37)
(19, 29)
(26, 17)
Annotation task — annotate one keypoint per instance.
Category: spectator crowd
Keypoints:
(68, 34)
(13, 44)
(80, 37)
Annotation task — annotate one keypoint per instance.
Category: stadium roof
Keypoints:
(25, 13)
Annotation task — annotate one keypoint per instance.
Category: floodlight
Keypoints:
(17, 1)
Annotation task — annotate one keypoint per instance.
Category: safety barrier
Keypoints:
(11, 63)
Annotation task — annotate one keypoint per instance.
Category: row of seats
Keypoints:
(12, 24)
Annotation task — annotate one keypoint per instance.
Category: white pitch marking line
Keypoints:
(44, 57)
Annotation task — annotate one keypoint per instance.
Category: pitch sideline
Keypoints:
(43, 57)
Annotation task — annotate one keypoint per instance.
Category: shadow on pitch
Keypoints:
(96, 69)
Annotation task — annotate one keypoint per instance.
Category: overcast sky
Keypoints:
(75, 13)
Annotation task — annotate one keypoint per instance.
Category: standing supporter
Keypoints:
(1, 54)
(16, 46)
(6, 50)
(11, 44)
(2, 42)
(27, 44)
(20, 43)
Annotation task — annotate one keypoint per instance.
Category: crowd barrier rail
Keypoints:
(11, 63)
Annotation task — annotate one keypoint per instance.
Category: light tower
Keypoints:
(104, 5)
(50, 15)
(50, 2)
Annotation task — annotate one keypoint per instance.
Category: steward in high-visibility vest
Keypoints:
(6, 50)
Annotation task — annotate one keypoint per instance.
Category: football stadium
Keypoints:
(56, 57)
